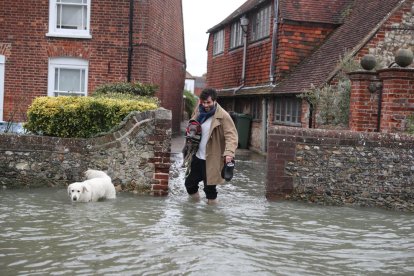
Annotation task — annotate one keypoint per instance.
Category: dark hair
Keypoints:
(208, 92)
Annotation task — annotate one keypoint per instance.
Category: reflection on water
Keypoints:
(42, 233)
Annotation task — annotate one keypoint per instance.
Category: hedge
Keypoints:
(81, 117)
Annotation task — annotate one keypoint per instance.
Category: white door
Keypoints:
(2, 62)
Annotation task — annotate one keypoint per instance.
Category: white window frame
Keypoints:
(66, 63)
(218, 42)
(54, 31)
(236, 35)
(2, 80)
(261, 24)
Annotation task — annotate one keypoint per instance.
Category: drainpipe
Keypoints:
(243, 77)
(265, 103)
(274, 42)
(310, 115)
(130, 42)
(379, 89)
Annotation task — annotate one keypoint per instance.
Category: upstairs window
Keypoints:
(261, 24)
(69, 18)
(236, 35)
(218, 42)
(68, 77)
(288, 111)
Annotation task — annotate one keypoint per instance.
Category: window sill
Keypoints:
(287, 124)
(236, 48)
(259, 40)
(69, 35)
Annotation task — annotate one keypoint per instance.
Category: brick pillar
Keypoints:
(161, 140)
(281, 150)
(397, 98)
(363, 113)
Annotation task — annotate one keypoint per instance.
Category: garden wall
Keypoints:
(136, 155)
(341, 167)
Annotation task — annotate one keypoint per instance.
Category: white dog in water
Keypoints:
(98, 185)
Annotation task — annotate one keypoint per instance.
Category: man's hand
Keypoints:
(228, 159)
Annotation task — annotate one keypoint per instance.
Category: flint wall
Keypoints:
(341, 167)
(136, 155)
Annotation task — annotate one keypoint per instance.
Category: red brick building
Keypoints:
(287, 46)
(55, 47)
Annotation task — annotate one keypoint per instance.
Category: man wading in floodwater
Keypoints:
(214, 159)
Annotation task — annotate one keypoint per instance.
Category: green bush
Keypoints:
(331, 102)
(190, 102)
(135, 88)
(81, 116)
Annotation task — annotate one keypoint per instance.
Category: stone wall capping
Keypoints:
(396, 73)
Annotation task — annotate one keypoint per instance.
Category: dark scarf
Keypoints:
(203, 115)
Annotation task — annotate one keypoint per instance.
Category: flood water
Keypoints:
(42, 233)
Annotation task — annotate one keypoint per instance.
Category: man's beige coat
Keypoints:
(222, 142)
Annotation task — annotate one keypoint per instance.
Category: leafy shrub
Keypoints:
(331, 102)
(81, 116)
(135, 88)
(190, 102)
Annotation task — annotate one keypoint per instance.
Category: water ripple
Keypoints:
(44, 234)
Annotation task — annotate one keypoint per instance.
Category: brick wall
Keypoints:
(363, 106)
(224, 70)
(296, 42)
(397, 101)
(136, 156)
(158, 39)
(162, 42)
(341, 167)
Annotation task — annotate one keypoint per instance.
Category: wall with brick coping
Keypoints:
(341, 167)
(136, 155)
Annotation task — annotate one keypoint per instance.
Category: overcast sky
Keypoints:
(199, 16)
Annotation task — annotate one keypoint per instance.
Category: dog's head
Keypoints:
(193, 131)
(76, 191)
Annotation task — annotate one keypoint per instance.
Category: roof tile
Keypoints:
(364, 17)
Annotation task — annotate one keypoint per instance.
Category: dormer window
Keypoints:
(69, 18)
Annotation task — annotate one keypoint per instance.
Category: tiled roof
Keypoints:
(247, 6)
(331, 11)
(297, 10)
(319, 67)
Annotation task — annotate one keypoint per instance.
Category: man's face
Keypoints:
(208, 104)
